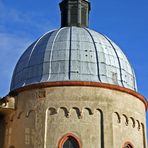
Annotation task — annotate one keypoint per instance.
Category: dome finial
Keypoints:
(75, 13)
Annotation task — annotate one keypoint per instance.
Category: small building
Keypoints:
(73, 88)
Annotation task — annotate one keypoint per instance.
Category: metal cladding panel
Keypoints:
(23, 61)
(126, 69)
(85, 56)
(82, 50)
(109, 67)
(58, 68)
(51, 41)
(36, 60)
(123, 58)
(58, 64)
(73, 54)
(18, 75)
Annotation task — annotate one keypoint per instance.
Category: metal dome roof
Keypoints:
(73, 54)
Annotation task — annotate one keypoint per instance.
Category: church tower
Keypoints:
(73, 88)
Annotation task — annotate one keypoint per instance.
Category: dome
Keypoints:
(73, 54)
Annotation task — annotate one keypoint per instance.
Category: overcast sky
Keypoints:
(123, 21)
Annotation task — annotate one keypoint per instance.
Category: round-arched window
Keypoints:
(128, 145)
(69, 141)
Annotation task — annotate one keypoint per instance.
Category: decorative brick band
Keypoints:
(83, 83)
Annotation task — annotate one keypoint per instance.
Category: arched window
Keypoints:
(69, 141)
(128, 145)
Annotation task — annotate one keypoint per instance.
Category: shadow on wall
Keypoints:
(2, 130)
(11, 146)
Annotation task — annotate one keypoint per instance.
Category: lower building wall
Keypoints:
(96, 116)
(128, 129)
(86, 126)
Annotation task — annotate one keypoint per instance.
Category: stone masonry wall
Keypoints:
(100, 118)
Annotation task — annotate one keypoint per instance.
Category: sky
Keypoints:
(123, 21)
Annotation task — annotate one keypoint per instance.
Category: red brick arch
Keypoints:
(65, 137)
